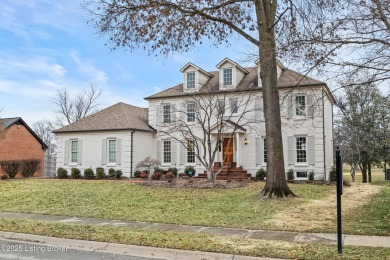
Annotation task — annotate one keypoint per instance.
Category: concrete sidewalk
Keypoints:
(350, 240)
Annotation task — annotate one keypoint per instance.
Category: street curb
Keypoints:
(122, 249)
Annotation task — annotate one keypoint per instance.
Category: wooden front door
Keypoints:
(227, 151)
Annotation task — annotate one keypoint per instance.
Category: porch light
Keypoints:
(245, 141)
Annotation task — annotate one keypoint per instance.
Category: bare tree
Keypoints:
(345, 37)
(212, 116)
(175, 26)
(72, 109)
(362, 127)
(44, 129)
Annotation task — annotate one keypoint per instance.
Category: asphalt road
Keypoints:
(31, 251)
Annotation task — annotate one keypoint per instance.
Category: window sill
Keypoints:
(111, 164)
(301, 164)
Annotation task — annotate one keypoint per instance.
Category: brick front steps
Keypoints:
(236, 173)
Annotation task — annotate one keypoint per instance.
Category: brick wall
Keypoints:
(19, 144)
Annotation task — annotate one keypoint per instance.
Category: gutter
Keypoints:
(323, 131)
(131, 153)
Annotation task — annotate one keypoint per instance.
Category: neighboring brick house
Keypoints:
(19, 142)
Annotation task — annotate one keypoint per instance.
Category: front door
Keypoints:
(227, 151)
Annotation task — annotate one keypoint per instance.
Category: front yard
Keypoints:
(366, 211)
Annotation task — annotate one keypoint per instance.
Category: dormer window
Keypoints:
(191, 80)
(227, 76)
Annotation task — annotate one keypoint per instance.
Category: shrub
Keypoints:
(100, 174)
(156, 176)
(3, 176)
(10, 167)
(62, 173)
(311, 176)
(170, 176)
(189, 171)
(75, 173)
(144, 175)
(111, 173)
(173, 170)
(332, 174)
(290, 175)
(29, 167)
(261, 174)
(89, 174)
(158, 169)
(137, 174)
(118, 174)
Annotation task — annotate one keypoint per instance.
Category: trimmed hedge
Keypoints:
(62, 173)
(89, 174)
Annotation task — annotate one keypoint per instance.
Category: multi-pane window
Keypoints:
(301, 174)
(191, 79)
(166, 114)
(233, 105)
(191, 112)
(74, 151)
(301, 149)
(300, 105)
(228, 76)
(191, 151)
(265, 150)
(221, 105)
(167, 151)
(112, 150)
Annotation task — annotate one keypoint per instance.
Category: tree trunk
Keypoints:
(353, 171)
(276, 183)
(369, 172)
(211, 175)
(363, 165)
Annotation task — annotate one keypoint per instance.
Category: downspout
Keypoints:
(131, 153)
(323, 131)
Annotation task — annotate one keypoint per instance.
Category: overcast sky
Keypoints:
(47, 45)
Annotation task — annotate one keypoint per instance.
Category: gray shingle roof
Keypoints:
(288, 78)
(120, 116)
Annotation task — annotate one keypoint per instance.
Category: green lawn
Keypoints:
(366, 209)
(127, 201)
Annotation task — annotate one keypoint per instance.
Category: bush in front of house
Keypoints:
(290, 175)
(189, 171)
(173, 170)
(29, 167)
(111, 173)
(144, 175)
(62, 173)
(137, 174)
(170, 176)
(89, 174)
(10, 167)
(118, 174)
(311, 176)
(261, 174)
(3, 176)
(332, 174)
(75, 173)
(156, 176)
(100, 174)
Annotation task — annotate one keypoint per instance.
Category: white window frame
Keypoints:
(193, 83)
(167, 113)
(191, 153)
(109, 151)
(72, 152)
(225, 76)
(300, 108)
(301, 178)
(166, 153)
(301, 158)
(193, 113)
(234, 106)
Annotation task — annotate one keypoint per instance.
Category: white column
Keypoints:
(238, 148)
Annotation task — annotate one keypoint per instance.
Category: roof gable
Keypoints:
(238, 66)
(190, 64)
(8, 122)
(120, 116)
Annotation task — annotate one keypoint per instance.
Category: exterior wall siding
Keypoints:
(92, 150)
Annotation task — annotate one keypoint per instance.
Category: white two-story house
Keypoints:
(215, 114)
